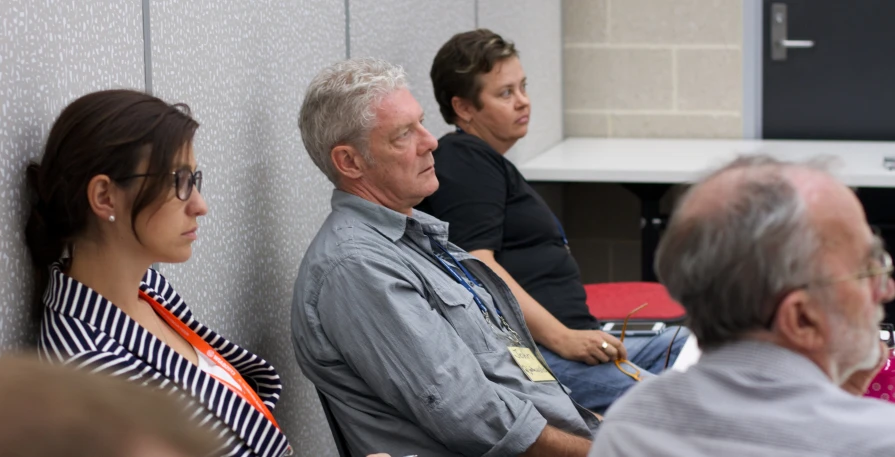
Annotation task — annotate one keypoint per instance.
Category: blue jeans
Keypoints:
(595, 387)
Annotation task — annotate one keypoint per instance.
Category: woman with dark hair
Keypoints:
(495, 215)
(117, 190)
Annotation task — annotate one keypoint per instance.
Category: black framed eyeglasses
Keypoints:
(184, 180)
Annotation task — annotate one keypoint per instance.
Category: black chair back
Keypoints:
(341, 444)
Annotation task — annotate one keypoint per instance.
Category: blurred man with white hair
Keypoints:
(783, 282)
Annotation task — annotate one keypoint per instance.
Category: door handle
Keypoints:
(780, 42)
(798, 44)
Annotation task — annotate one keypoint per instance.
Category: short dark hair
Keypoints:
(102, 133)
(458, 64)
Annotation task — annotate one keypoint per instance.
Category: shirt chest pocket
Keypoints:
(459, 308)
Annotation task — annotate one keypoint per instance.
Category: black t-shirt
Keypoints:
(490, 205)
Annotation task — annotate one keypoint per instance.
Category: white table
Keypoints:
(681, 161)
(648, 167)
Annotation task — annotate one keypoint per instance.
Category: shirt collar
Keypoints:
(391, 224)
(767, 359)
(68, 296)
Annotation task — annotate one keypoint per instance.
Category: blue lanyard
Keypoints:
(459, 279)
(562, 232)
(478, 301)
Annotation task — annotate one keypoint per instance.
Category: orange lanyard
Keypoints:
(248, 394)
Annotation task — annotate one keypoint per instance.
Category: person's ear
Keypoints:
(464, 109)
(104, 198)
(802, 321)
(348, 161)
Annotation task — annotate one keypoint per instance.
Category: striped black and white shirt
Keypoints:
(80, 328)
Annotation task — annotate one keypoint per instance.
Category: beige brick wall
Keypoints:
(642, 69)
(652, 68)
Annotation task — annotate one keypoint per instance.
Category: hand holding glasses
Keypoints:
(626, 366)
(634, 372)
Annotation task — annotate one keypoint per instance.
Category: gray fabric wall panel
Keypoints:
(535, 27)
(51, 52)
(243, 67)
(409, 33)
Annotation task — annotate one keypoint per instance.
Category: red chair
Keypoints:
(613, 301)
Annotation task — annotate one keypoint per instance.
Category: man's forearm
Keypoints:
(553, 442)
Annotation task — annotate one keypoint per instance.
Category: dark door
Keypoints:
(833, 78)
(837, 78)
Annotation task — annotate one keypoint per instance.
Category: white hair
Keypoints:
(339, 107)
(730, 265)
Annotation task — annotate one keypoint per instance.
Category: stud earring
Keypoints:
(112, 218)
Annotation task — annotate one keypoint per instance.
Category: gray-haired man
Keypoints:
(783, 283)
(419, 348)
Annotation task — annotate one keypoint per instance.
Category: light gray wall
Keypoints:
(51, 52)
(242, 67)
(409, 33)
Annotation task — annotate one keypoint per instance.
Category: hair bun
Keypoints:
(44, 247)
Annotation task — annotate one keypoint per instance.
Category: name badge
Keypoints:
(531, 366)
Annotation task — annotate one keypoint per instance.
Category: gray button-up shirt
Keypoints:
(402, 352)
(746, 399)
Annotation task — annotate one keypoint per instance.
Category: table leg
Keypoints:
(651, 224)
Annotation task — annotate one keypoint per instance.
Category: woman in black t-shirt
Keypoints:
(495, 215)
